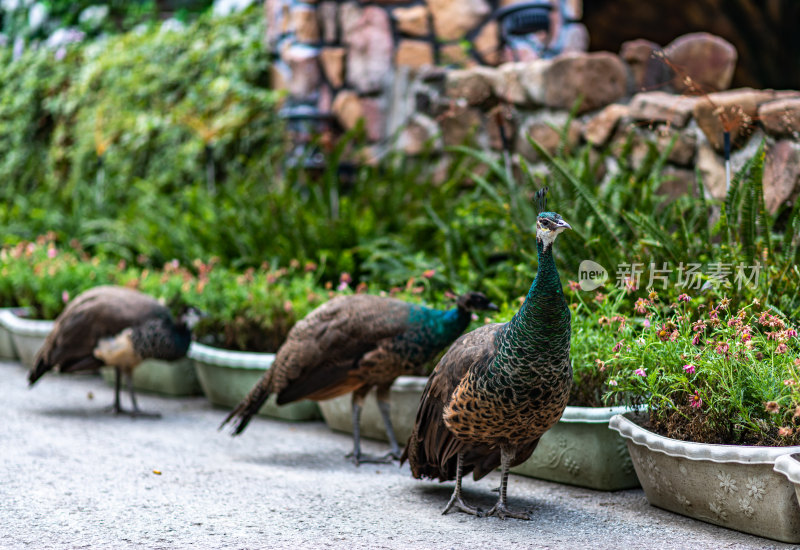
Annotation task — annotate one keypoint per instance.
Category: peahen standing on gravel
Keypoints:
(115, 326)
(499, 387)
(355, 343)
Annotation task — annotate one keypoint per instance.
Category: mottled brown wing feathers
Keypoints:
(321, 351)
(432, 449)
(97, 313)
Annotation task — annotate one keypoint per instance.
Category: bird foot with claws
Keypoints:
(458, 503)
(501, 511)
(361, 458)
(115, 410)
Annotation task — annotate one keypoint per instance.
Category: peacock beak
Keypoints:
(564, 224)
(491, 306)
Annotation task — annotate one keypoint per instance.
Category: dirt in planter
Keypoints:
(689, 424)
(243, 334)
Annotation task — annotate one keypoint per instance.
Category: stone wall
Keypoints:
(341, 56)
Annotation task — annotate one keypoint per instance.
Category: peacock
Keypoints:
(352, 344)
(499, 387)
(115, 326)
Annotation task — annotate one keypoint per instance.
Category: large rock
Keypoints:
(453, 19)
(662, 107)
(532, 77)
(501, 117)
(598, 78)
(506, 83)
(304, 22)
(703, 62)
(648, 69)
(420, 133)
(487, 43)
(734, 111)
(473, 85)
(348, 109)
(459, 125)
(546, 129)
(781, 174)
(327, 13)
(599, 129)
(368, 35)
(414, 53)
(454, 55)
(374, 117)
(781, 117)
(412, 21)
(276, 15)
(305, 75)
(712, 168)
(332, 61)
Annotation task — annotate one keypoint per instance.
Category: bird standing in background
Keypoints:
(499, 387)
(114, 326)
(355, 343)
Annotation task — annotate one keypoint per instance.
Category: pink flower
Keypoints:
(771, 407)
(722, 348)
(474, 316)
(791, 333)
(782, 348)
(618, 346)
(52, 253)
(612, 383)
(684, 298)
(65, 296)
(429, 273)
(646, 323)
(574, 286)
(640, 372)
(689, 369)
(784, 431)
(641, 306)
(696, 339)
(345, 278)
(695, 400)
(342, 286)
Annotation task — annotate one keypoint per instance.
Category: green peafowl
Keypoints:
(115, 326)
(355, 343)
(499, 387)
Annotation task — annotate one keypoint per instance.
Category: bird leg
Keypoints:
(136, 410)
(501, 509)
(456, 501)
(383, 395)
(356, 456)
(116, 408)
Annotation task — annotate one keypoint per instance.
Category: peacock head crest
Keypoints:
(475, 301)
(548, 224)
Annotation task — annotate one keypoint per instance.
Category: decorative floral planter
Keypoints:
(176, 378)
(7, 349)
(228, 376)
(729, 485)
(581, 450)
(406, 393)
(28, 335)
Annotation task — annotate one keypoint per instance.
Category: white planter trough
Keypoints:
(28, 335)
(228, 376)
(7, 350)
(405, 396)
(729, 485)
(581, 450)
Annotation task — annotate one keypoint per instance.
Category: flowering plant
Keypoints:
(709, 373)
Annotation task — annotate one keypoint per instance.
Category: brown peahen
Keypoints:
(355, 343)
(499, 387)
(113, 326)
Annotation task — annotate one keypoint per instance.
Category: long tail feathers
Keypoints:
(249, 406)
(37, 371)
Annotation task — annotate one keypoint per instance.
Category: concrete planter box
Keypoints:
(175, 378)
(226, 377)
(28, 335)
(406, 393)
(7, 350)
(581, 450)
(729, 485)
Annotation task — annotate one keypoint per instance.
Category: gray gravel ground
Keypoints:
(74, 476)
